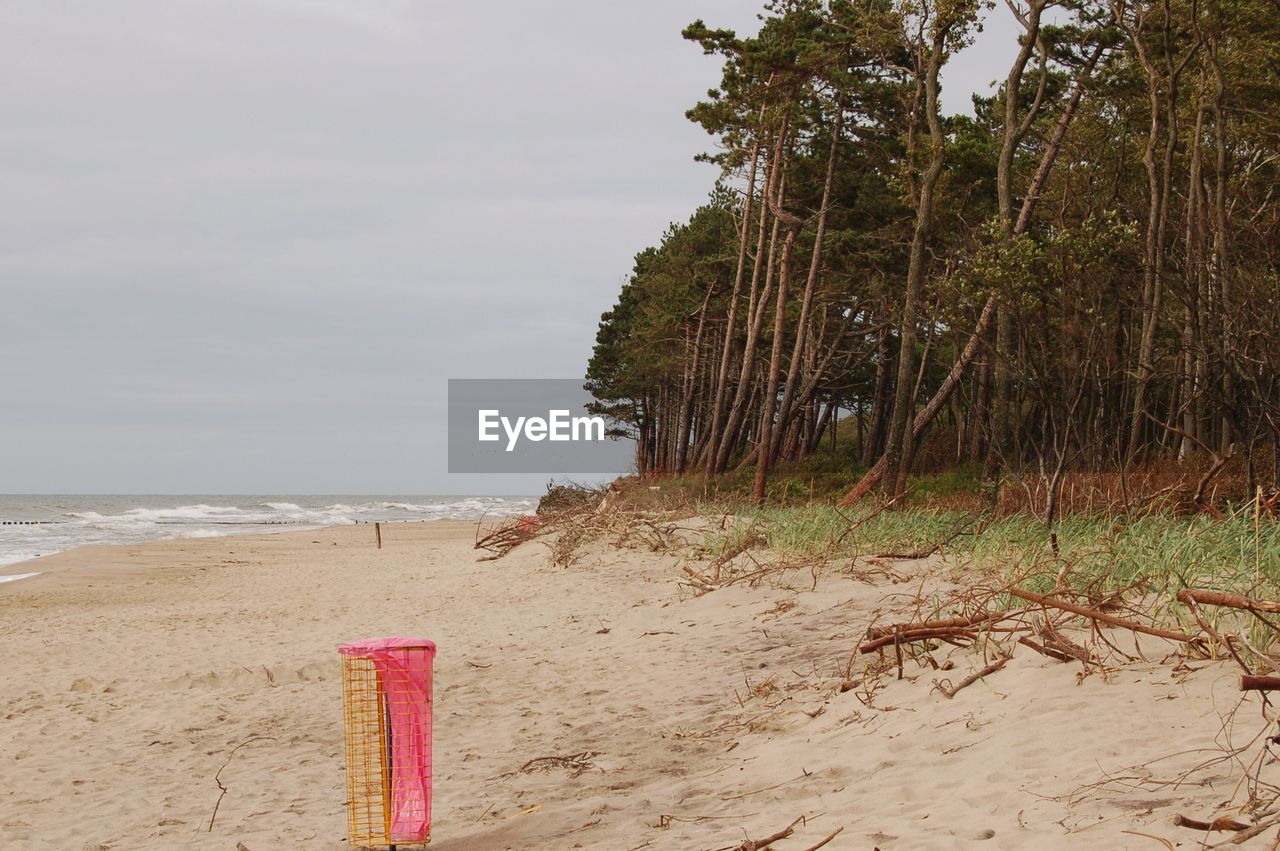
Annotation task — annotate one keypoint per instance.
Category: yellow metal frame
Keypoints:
(369, 766)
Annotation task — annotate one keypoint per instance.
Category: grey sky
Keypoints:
(243, 243)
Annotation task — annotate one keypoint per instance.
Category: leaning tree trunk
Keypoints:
(1014, 131)
(873, 476)
(904, 401)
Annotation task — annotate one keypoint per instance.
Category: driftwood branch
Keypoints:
(1234, 601)
(1094, 614)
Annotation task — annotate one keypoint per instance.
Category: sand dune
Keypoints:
(584, 707)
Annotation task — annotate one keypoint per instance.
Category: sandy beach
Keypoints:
(137, 679)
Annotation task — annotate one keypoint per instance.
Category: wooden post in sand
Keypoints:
(377, 532)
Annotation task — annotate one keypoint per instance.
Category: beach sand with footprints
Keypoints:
(186, 694)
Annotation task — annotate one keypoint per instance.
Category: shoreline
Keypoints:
(74, 554)
(667, 720)
(34, 527)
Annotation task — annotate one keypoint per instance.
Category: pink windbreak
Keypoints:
(404, 667)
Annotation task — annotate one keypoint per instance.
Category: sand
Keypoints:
(131, 674)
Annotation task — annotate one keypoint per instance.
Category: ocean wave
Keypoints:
(199, 511)
(122, 520)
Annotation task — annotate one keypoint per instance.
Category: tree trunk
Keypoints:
(764, 451)
(739, 275)
(776, 183)
(904, 401)
(873, 476)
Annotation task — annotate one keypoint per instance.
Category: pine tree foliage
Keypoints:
(1082, 275)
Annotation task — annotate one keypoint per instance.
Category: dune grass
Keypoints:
(1238, 552)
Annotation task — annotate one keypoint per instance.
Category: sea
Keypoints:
(33, 525)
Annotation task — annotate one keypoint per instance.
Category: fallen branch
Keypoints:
(699, 581)
(944, 623)
(1093, 614)
(1245, 835)
(1219, 461)
(1044, 650)
(508, 535)
(1055, 640)
(950, 692)
(1234, 601)
(916, 635)
(1220, 823)
(1251, 683)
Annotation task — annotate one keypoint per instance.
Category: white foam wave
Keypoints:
(14, 577)
(108, 520)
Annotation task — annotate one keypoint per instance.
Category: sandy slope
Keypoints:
(130, 674)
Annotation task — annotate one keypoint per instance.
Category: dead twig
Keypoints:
(1166, 843)
(925, 553)
(950, 691)
(217, 777)
(757, 844)
(830, 836)
(765, 789)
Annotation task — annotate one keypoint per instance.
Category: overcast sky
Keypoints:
(243, 243)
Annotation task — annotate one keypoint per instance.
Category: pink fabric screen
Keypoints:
(404, 667)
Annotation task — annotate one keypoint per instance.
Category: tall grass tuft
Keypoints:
(1163, 551)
